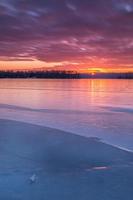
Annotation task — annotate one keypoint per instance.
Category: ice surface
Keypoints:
(96, 108)
(67, 166)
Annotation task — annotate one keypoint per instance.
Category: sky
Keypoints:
(83, 35)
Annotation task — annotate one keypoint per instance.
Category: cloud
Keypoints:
(67, 30)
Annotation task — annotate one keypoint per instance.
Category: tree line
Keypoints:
(40, 74)
(63, 75)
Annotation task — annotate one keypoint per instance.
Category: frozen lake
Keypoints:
(96, 108)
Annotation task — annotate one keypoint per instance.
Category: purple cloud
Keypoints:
(71, 30)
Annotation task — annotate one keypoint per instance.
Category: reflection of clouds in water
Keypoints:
(66, 94)
(101, 108)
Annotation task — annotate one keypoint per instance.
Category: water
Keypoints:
(96, 108)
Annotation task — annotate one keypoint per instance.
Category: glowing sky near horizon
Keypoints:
(66, 34)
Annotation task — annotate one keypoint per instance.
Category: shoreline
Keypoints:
(67, 132)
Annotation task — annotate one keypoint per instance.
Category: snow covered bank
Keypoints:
(65, 166)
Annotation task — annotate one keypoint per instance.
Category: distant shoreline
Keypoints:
(68, 78)
(63, 75)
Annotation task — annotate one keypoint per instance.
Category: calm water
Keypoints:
(98, 108)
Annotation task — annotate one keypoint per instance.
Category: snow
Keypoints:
(57, 163)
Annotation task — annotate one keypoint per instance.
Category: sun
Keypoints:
(94, 71)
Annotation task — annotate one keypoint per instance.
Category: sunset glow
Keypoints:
(86, 36)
